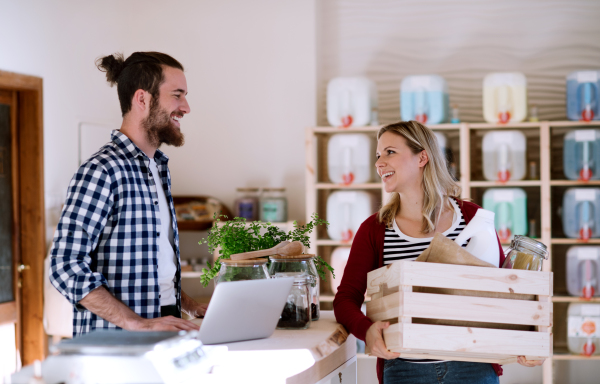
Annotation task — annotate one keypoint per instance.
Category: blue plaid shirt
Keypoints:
(109, 231)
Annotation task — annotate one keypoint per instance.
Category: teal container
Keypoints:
(581, 158)
(581, 213)
(510, 207)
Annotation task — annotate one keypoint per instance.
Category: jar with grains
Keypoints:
(284, 266)
(237, 270)
(525, 253)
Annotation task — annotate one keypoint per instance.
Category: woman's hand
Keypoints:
(375, 343)
(529, 363)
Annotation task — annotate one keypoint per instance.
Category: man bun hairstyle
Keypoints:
(141, 70)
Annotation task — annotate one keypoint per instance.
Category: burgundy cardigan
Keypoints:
(366, 255)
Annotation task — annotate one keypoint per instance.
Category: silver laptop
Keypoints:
(244, 310)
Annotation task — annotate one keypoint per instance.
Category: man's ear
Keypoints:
(423, 158)
(141, 100)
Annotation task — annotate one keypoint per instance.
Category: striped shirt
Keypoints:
(399, 246)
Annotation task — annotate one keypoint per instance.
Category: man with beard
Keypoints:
(115, 254)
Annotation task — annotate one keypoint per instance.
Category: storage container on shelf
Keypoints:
(442, 142)
(510, 207)
(504, 97)
(346, 210)
(581, 213)
(583, 329)
(583, 271)
(246, 203)
(282, 266)
(424, 98)
(583, 95)
(350, 158)
(273, 205)
(504, 156)
(237, 270)
(581, 156)
(351, 101)
(339, 259)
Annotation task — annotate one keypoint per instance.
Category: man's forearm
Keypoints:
(191, 307)
(104, 304)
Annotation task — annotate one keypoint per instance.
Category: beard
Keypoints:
(160, 129)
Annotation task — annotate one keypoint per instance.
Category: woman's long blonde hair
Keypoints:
(438, 184)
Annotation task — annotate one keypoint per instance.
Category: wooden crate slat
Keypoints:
(483, 309)
(441, 338)
(459, 277)
(384, 308)
(457, 356)
(466, 308)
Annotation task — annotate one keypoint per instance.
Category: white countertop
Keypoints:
(289, 356)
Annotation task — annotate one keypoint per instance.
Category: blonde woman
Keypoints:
(424, 200)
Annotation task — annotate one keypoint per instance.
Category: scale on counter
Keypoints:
(115, 356)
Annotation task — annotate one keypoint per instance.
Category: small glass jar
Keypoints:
(525, 253)
(296, 313)
(273, 205)
(237, 270)
(246, 203)
(301, 265)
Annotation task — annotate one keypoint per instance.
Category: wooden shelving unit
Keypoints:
(544, 147)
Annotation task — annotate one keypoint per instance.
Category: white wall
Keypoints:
(250, 67)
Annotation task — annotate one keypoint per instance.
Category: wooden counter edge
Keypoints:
(333, 352)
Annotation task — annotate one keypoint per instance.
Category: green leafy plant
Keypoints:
(238, 236)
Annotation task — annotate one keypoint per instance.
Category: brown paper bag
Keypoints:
(445, 251)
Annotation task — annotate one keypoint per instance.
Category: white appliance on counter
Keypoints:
(115, 356)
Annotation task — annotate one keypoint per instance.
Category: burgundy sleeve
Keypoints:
(351, 292)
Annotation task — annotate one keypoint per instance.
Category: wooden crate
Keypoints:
(393, 299)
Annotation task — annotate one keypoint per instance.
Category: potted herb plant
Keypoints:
(238, 236)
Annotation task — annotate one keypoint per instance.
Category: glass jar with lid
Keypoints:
(296, 313)
(301, 265)
(273, 205)
(525, 253)
(237, 270)
(246, 203)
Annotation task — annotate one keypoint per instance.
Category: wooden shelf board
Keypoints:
(573, 124)
(575, 241)
(333, 242)
(573, 299)
(524, 124)
(564, 354)
(327, 298)
(516, 183)
(350, 186)
(190, 275)
(574, 183)
(333, 130)
(376, 128)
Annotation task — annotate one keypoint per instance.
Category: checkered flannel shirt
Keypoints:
(109, 231)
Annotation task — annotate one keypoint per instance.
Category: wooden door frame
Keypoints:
(30, 233)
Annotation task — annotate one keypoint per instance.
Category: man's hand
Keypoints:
(167, 323)
(104, 304)
(374, 341)
(529, 363)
